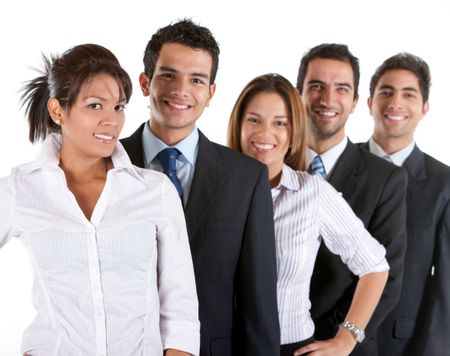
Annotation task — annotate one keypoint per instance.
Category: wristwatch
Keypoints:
(357, 332)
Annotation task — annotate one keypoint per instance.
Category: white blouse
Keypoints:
(119, 284)
(307, 209)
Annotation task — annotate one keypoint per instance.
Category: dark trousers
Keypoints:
(288, 349)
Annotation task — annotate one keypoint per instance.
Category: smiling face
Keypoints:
(328, 92)
(397, 107)
(266, 131)
(91, 127)
(179, 90)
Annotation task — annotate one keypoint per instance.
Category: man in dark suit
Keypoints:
(226, 196)
(375, 189)
(420, 323)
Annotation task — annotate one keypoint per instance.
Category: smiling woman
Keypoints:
(110, 260)
(268, 123)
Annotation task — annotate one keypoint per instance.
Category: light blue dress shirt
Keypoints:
(185, 163)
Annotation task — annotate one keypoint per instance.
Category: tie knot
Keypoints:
(387, 158)
(168, 158)
(316, 167)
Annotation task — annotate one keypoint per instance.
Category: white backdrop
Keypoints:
(255, 37)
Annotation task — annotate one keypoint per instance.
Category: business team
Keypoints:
(386, 293)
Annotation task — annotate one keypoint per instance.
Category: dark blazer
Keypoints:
(376, 190)
(229, 220)
(420, 323)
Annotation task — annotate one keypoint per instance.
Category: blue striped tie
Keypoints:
(168, 158)
(316, 167)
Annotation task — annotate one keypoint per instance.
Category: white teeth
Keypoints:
(104, 137)
(327, 113)
(395, 118)
(178, 106)
(262, 146)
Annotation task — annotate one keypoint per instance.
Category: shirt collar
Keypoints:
(289, 179)
(153, 145)
(398, 158)
(49, 155)
(329, 157)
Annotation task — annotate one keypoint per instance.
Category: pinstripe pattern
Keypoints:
(306, 210)
(120, 284)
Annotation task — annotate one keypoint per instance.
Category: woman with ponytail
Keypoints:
(112, 268)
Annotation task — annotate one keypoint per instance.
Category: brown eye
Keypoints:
(95, 106)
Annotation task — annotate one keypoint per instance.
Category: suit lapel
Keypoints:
(415, 167)
(206, 183)
(344, 177)
(133, 146)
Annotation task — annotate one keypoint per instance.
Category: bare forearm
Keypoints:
(173, 352)
(367, 295)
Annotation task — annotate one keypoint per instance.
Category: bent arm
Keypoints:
(344, 234)
(367, 295)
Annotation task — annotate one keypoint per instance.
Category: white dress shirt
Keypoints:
(185, 162)
(397, 157)
(330, 157)
(120, 284)
(306, 210)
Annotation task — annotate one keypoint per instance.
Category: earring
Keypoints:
(58, 122)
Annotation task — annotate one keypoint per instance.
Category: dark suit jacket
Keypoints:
(420, 323)
(229, 219)
(375, 189)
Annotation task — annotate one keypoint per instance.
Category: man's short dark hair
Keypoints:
(405, 61)
(184, 32)
(334, 51)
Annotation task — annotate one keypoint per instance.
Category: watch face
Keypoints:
(359, 336)
(355, 330)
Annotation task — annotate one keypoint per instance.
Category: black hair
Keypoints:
(334, 51)
(62, 78)
(184, 32)
(405, 61)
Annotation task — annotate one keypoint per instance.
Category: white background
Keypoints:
(255, 37)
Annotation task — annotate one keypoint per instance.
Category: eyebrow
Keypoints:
(94, 97)
(385, 86)
(121, 100)
(341, 84)
(315, 81)
(194, 74)
(388, 86)
(344, 84)
(276, 116)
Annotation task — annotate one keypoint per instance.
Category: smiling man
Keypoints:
(420, 323)
(328, 81)
(226, 195)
